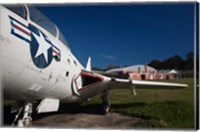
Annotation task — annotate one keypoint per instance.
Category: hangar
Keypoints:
(140, 72)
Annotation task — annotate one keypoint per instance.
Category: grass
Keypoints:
(159, 108)
(166, 114)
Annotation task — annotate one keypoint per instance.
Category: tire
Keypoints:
(105, 109)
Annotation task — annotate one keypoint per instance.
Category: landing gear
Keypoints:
(26, 109)
(133, 90)
(106, 106)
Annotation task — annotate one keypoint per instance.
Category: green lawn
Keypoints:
(160, 108)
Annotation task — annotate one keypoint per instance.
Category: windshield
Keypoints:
(40, 19)
(62, 39)
(37, 17)
(18, 9)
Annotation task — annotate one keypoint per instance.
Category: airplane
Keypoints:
(38, 67)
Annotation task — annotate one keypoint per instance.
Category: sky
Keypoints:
(125, 34)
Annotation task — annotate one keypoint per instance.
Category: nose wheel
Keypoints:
(106, 105)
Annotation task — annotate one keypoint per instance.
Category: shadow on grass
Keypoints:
(74, 108)
(127, 105)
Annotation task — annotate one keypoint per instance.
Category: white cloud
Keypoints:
(108, 56)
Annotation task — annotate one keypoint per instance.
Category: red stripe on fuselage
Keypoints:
(22, 30)
(56, 52)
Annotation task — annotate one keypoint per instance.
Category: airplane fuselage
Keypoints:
(37, 65)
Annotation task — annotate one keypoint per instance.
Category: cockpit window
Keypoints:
(62, 39)
(42, 20)
(18, 9)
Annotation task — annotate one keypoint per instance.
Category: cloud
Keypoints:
(108, 56)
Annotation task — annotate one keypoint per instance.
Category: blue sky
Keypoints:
(125, 34)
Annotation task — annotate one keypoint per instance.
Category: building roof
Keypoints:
(168, 71)
(133, 68)
(173, 71)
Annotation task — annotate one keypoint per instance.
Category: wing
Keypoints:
(93, 82)
(125, 83)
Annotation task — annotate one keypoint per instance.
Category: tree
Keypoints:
(174, 62)
(189, 61)
(96, 69)
(155, 64)
(111, 67)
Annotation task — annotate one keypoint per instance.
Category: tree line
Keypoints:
(174, 62)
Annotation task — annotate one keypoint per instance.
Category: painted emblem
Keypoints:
(42, 50)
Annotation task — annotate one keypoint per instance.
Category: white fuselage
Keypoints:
(22, 79)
